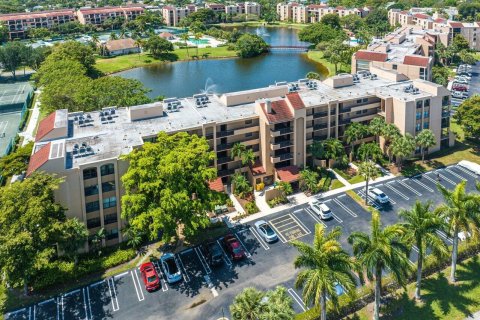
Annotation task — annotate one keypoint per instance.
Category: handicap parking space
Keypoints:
(288, 227)
(74, 305)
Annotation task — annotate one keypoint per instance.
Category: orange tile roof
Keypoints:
(289, 173)
(280, 112)
(421, 16)
(258, 168)
(216, 185)
(39, 14)
(296, 101)
(371, 55)
(454, 24)
(39, 158)
(45, 126)
(416, 61)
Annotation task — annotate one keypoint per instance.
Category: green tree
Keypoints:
(73, 238)
(468, 116)
(185, 37)
(166, 185)
(16, 162)
(75, 51)
(331, 19)
(333, 149)
(440, 75)
(319, 32)
(368, 170)
(461, 212)
(382, 250)
(31, 225)
(309, 180)
(197, 36)
(317, 149)
(403, 147)
(36, 56)
(376, 126)
(248, 157)
(237, 150)
(313, 75)
(324, 265)
(389, 133)
(285, 188)
(354, 132)
(421, 225)
(241, 185)
(11, 56)
(336, 51)
(252, 304)
(352, 22)
(370, 151)
(425, 139)
(467, 57)
(158, 45)
(250, 45)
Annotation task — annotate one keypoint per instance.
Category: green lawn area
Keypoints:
(336, 184)
(356, 179)
(125, 62)
(441, 300)
(317, 56)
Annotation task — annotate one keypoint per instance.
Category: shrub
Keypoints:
(251, 208)
(229, 203)
(276, 201)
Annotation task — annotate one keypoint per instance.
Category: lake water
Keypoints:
(183, 79)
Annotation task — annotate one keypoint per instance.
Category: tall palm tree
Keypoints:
(403, 147)
(355, 131)
(237, 150)
(370, 151)
(376, 126)
(309, 180)
(382, 250)
(421, 225)
(248, 305)
(333, 149)
(368, 170)
(248, 157)
(242, 186)
(324, 265)
(185, 37)
(197, 36)
(425, 139)
(461, 212)
(389, 133)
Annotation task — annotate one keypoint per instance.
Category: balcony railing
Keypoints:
(282, 144)
(285, 156)
(226, 172)
(223, 160)
(282, 131)
(225, 133)
(320, 114)
(224, 146)
(320, 126)
(209, 136)
(445, 114)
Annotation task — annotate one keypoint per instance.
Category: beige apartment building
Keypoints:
(407, 51)
(18, 24)
(278, 123)
(173, 15)
(312, 13)
(97, 16)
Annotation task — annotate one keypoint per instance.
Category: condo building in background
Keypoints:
(278, 123)
(312, 13)
(97, 16)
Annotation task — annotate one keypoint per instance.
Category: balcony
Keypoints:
(224, 146)
(345, 121)
(344, 109)
(281, 131)
(209, 136)
(320, 126)
(226, 172)
(320, 115)
(282, 157)
(445, 114)
(246, 129)
(223, 160)
(282, 144)
(225, 133)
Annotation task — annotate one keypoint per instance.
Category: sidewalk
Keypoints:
(28, 133)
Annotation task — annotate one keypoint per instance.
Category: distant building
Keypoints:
(97, 16)
(167, 35)
(19, 23)
(173, 15)
(312, 13)
(120, 47)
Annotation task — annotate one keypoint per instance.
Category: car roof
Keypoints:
(167, 256)
(323, 206)
(260, 222)
(376, 190)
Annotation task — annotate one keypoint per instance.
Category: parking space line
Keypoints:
(337, 218)
(344, 207)
(371, 201)
(454, 174)
(314, 216)
(120, 275)
(135, 285)
(89, 303)
(423, 185)
(162, 277)
(58, 307)
(415, 248)
(202, 261)
(225, 256)
(247, 254)
(139, 283)
(71, 292)
(256, 235)
(274, 219)
(466, 171)
(63, 309)
(46, 301)
(184, 273)
(297, 299)
(286, 224)
(441, 176)
(114, 296)
(294, 217)
(342, 195)
(34, 311)
(402, 182)
(388, 185)
(85, 303)
(283, 230)
(444, 236)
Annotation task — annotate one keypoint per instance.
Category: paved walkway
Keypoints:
(475, 316)
(28, 133)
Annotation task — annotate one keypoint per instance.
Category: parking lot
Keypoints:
(472, 85)
(206, 292)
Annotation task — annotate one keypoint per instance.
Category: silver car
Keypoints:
(321, 209)
(266, 231)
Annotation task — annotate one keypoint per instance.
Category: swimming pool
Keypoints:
(199, 41)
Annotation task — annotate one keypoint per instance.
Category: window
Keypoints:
(249, 121)
(89, 173)
(363, 65)
(92, 206)
(365, 111)
(423, 73)
(358, 112)
(426, 125)
(112, 234)
(419, 104)
(419, 115)
(110, 218)
(109, 202)
(426, 103)
(418, 127)
(108, 186)
(107, 169)
(426, 114)
(359, 101)
(364, 100)
(248, 135)
(394, 67)
(89, 191)
(93, 223)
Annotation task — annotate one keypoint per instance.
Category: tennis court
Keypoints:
(14, 100)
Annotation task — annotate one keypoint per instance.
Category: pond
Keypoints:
(183, 79)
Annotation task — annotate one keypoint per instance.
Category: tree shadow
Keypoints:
(168, 56)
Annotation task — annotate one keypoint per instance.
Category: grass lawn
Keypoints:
(317, 56)
(441, 300)
(356, 179)
(336, 184)
(125, 62)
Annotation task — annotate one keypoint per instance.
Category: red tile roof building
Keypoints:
(416, 61)
(97, 16)
(39, 158)
(288, 174)
(371, 55)
(45, 126)
(280, 112)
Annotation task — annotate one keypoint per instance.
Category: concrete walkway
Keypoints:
(28, 133)
(340, 178)
(475, 316)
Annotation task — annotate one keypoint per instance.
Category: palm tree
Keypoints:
(368, 170)
(333, 149)
(376, 126)
(382, 250)
(242, 186)
(421, 225)
(74, 237)
(324, 266)
(285, 188)
(425, 139)
(237, 150)
(370, 151)
(403, 147)
(317, 150)
(248, 305)
(113, 36)
(309, 180)
(461, 212)
(197, 36)
(248, 157)
(355, 131)
(389, 133)
(185, 37)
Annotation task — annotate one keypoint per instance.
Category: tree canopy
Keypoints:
(158, 45)
(320, 32)
(250, 45)
(166, 186)
(16, 162)
(468, 116)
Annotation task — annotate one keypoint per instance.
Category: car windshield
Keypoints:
(268, 230)
(171, 266)
(381, 195)
(151, 278)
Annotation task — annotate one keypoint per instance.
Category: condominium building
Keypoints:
(407, 51)
(97, 16)
(19, 23)
(277, 122)
(173, 15)
(312, 13)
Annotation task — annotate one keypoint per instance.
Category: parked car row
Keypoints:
(461, 83)
(170, 268)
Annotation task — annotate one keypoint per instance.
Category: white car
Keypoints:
(464, 235)
(265, 231)
(378, 195)
(170, 268)
(321, 209)
(462, 81)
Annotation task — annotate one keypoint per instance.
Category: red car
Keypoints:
(233, 247)
(150, 276)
